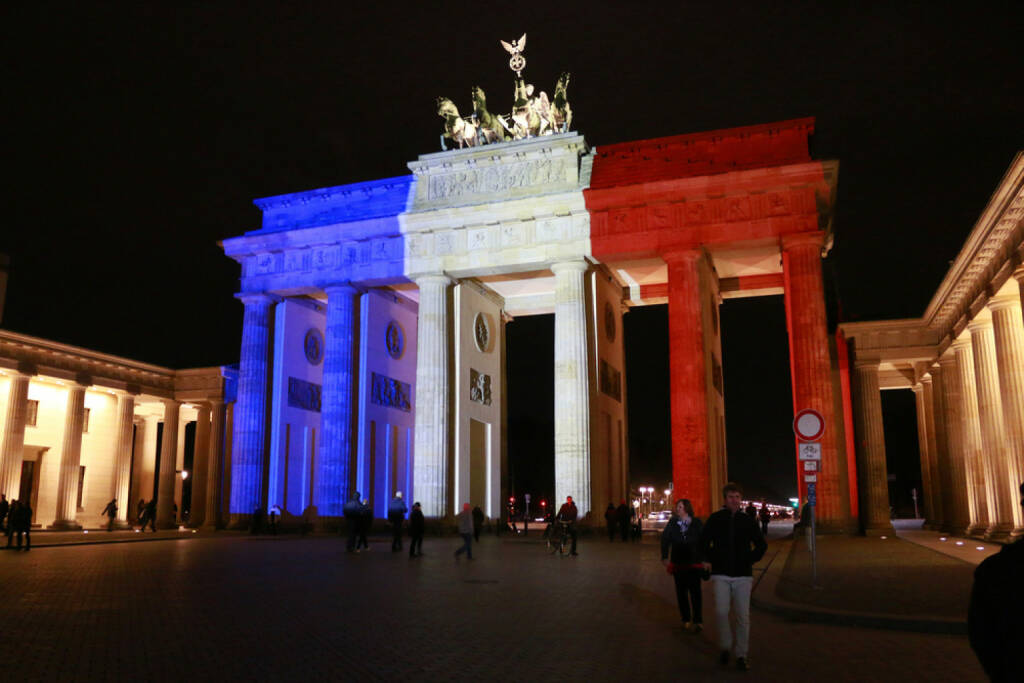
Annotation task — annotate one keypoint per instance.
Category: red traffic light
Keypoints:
(543, 503)
(511, 499)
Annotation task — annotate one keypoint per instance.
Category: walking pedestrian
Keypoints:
(4, 509)
(396, 515)
(111, 512)
(23, 524)
(751, 510)
(351, 510)
(149, 516)
(624, 515)
(568, 513)
(365, 521)
(140, 509)
(256, 523)
(417, 525)
(275, 511)
(609, 520)
(994, 625)
(465, 520)
(765, 515)
(680, 553)
(478, 522)
(731, 543)
(12, 513)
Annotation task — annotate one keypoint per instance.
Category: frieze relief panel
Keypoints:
(390, 393)
(304, 395)
(479, 387)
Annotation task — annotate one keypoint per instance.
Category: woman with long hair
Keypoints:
(680, 553)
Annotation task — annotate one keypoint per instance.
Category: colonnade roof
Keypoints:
(992, 253)
(67, 363)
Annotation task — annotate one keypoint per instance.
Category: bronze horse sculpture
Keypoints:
(492, 127)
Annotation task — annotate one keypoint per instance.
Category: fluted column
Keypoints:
(123, 455)
(572, 395)
(1008, 326)
(933, 491)
(430, 475)
(691, 458)
(337, 404)
(873, 484)
(922, 446)
(70, 459)
(214, 466)
(970, 436)
(13, 445)
(168, 466)
(249, 441)
(812, 365)
(943, 458)
(960, 484)
(990, 410)
(200, 467)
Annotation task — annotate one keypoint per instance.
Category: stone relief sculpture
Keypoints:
(531, 116)
(304, 395)
(479, 387)
(390, 393)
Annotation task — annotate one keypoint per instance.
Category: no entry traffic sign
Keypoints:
(809, 425)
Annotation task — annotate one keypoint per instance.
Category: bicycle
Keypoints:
(560, 541)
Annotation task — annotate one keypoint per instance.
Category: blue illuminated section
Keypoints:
(384, 198)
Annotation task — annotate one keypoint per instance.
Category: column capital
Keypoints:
(962, 343)
(867, 364)
(339, 287)
(1003, 301)
(917, 388)
(257, 298)
(948, 359)
(442, 279)
(682, 256)
(814, 239)
(1018, 274)
(576, 265)
(979, 325)
(926, 378)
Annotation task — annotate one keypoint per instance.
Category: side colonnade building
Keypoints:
(80, 428)
(964, 361)
(373, 344)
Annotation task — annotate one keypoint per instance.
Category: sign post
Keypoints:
(809, 427)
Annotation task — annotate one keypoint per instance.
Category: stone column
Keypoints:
(1008, 326)
(214, 466)
(691, 457)
(943, 458)
(572, 394)
(873, 484)
(970, 438)
(168, 465)
(924, 495)
(13, 445)
(337, 405)
(812, 365)
(430, 475)
(933, 491)
(123, 455)
(993, 433)
(70, 459)
(250, 423)
(960, 484)
(200, 467)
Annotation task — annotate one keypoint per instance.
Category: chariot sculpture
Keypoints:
(531, 115)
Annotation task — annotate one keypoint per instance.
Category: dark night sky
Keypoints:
(138, 134)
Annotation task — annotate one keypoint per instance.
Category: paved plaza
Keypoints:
(288, 608)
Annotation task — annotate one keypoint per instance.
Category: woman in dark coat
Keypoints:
(680, 553)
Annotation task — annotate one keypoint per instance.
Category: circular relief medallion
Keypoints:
(313, 346)
(394, 339)
(609, 321)
(482, 332)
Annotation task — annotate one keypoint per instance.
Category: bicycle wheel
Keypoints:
(552, 545)
(564, 545)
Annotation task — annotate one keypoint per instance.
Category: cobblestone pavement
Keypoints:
(285, 608)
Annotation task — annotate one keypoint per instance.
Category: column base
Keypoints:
(239, 522)
(831, 527)
(65, 525)
(976, 530)
(1017, 534)
(876, 531)
(999, 533)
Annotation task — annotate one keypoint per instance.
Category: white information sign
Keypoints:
(810, 465)
(809, 478)
(810, 451)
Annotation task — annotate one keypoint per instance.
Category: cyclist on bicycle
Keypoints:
(568, 513)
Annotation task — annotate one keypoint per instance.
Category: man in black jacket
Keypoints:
(994, 623)
(731, 543)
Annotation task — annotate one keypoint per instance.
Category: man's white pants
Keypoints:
(732, 592)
